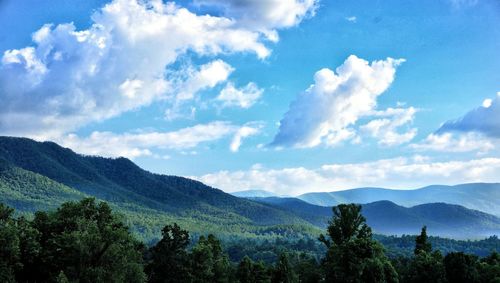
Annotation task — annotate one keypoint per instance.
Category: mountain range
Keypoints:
(388, 218)
(480, 196)
(254, 193)
(42, 175)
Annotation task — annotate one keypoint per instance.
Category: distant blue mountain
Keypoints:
(388, 218)
(480, 196)
(253, 194)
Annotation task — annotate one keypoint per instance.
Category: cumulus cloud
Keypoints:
(484, 119)
(265, 15)
(138, 144)
(385, 129)
(455, 142)
(243, 97)
(326, 112)
(400, 172)
(71, 77)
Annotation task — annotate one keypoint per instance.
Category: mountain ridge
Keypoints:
(479, 196)
(386, 217)
(124, 184)
(41, 175)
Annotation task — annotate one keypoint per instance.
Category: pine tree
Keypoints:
(353, 256)
(426, 266)
(422, 243)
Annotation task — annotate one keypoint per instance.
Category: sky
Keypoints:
(289, 96)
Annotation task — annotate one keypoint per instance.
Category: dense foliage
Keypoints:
(81, 241)
(86, 242)
(40, 176)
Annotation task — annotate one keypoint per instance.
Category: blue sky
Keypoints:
(289, 96)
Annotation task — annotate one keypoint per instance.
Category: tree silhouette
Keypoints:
(353, 256)
(422, 243)
(169, 260)
(426, 266)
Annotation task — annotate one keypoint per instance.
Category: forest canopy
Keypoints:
(86, 241)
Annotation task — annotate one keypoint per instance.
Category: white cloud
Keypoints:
(138, 144)
(325, 112)
(404, 173)
(351, 19)
(208, 76)
(242, 133)
(386, 128)
(455, 142)
(69, 78)
(265, 15)
(487, 103)
(484, 119)
(244, 97)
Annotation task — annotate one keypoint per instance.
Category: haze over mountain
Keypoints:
(480, 196)
(388, 218)
(254, 193)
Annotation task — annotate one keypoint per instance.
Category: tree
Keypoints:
(208, 262)
(308, 269)
(461, 268)
(426, 266)
(9, 245)
(244, 272)
(489, 268)
(353, 256)
(283, 271)
(169, 260)
(30, 250)
(422, 243)
(347, 223)
(61, 278)
(250, 272)
(88, 243)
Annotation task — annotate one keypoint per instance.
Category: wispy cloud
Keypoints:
(386, 128)
(351, 19)
(403, 172)
(455, 142)
(244, 97)
(136, 144)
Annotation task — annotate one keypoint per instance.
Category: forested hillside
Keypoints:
(40, 176)
(37, 175)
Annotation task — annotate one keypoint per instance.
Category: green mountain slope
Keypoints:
(38, 176)
(149, 200)
(30, 192)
